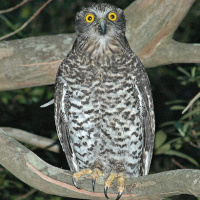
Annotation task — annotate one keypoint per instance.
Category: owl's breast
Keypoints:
(104, 113)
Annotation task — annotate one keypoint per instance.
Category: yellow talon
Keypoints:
(121, 182)
(96, 173)
(110, 179)
(86, 171)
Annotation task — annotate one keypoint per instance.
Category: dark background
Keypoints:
(172, 86)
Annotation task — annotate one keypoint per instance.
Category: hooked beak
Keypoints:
(102, 26)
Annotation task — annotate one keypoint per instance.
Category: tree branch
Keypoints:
(29, 168)
(174, 52)
(32, 61)
(150, 28)
(14, 7)
(152, 23)
(32, 139)
(27, 22)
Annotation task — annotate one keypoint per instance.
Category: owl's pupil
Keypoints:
(112, 16)
(90, 18)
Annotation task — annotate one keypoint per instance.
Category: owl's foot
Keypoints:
(95, 174)
(110, 179)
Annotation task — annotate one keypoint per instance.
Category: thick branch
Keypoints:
(32, 139)
(150, 27)
(152, 22)
(29, 168)
(174, 52)
(32, 61)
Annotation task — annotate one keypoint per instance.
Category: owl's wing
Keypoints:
(143, 85)
(61, 121)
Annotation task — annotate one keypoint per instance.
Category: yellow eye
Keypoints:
(112, 16)
(89, 18)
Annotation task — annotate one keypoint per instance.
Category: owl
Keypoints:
(103, 103)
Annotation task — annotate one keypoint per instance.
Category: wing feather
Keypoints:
(61, 121)
(148, 119)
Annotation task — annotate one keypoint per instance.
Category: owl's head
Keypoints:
(100, 21)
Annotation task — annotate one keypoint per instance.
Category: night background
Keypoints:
(177, 142)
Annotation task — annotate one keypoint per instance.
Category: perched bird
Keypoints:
(103, 103)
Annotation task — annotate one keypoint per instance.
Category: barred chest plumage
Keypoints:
(104, 113)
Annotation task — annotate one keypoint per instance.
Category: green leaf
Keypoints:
(163, 149)
(193, 71)
(160, 139)
(50, 95)
(167, 124)
(178, 146)
(4, 100)
(177, 107)
(179, 127)
(21, 99)
(181, 132)
(184, 71)
(37, 91)
(176, 101)
(166, 147)
(187, 139)
(186, 125)
(194, 112)
(9, 24)
(182, 155)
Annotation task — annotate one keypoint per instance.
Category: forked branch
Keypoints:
(150, 28)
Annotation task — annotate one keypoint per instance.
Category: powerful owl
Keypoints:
(103, 103)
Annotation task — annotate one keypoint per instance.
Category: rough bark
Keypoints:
(32, 170)
(32, 61)
(150, 28)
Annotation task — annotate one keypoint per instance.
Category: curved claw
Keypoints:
(119, 195)
(93, 184)
(105, 191)
(74, 182)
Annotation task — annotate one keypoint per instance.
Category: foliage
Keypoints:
(174, 136)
